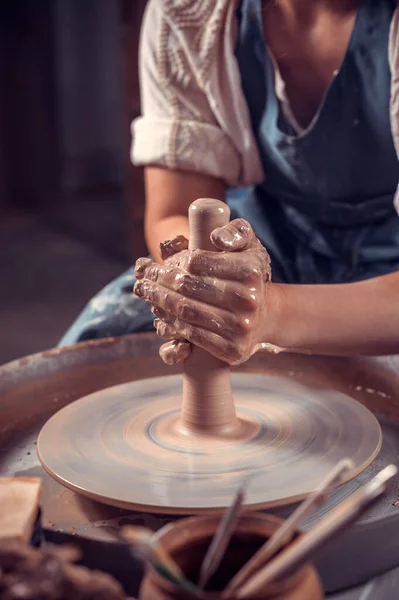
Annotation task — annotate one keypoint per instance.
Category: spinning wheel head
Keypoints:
(124, 445)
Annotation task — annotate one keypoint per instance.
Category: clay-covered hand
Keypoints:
(215, 300)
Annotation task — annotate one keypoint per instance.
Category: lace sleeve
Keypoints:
(178, 128)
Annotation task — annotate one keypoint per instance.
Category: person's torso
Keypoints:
(341, 171)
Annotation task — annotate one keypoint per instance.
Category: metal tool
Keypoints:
(221, 539)
(286, 532)
(302, 549)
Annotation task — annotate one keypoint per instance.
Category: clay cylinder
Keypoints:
(207, 398)
(187, 541)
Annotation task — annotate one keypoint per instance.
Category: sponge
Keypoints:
(19, 506)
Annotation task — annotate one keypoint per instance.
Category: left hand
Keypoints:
(215, 300)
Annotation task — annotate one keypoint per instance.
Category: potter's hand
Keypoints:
(215, 300)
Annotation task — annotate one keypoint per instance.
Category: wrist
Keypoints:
(342, 319)
(272, 328)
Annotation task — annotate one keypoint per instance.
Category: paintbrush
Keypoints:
(221, 539)
(302, 549)
(287, 531)
(182, 583)
(151, 549)
(144, 538)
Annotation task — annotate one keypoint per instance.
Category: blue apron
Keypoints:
(325, 210)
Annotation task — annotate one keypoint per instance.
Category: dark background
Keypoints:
(71, 204)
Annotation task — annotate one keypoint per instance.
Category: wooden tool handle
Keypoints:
(207, 399)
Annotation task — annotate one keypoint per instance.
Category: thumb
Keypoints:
(234, 236)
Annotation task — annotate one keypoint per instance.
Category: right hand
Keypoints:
(215, 300)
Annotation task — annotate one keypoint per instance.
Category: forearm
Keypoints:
(168, 196)
(348, 319)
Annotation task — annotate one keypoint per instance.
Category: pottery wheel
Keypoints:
(125, 445)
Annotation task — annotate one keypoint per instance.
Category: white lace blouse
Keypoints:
(194, 113)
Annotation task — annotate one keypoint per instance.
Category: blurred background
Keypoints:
(71, 204)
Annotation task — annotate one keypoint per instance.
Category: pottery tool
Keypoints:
(19, 506)
(146, 547)
(302, 549)
(221, 539)
(287, 531)
(177, 444)
(181, 583)
(144, 538)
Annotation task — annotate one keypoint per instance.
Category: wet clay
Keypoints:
(171, 247)
(207, 397)
(174, 351)
(213, 299)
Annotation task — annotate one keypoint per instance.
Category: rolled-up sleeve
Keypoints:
(177, 128)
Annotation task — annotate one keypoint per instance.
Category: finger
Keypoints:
(230, 266)
(174, 352)
(213, 343)
(178, 260)
(141, 265)
(234, 236)
(233, 296)
(166, 331)
(171, 247)
(160, 314)
(243, 266)
(191, 311)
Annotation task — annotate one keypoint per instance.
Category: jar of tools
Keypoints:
(187, 542)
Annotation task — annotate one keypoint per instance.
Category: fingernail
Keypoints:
(142, 264)
(224, 235)
(138, 289)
